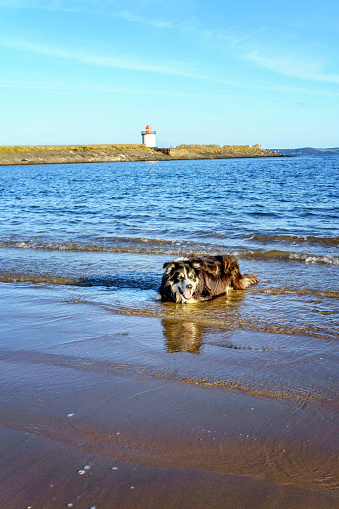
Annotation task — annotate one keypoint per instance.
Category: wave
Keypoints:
(308, 239)
(131, 280)
(134, 294)
(136, 280)
(114, 244)
(126, 367)
(9, 277)
(266, 238)
(169, 248)
(301, 291)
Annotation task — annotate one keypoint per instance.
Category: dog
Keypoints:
(195, 279)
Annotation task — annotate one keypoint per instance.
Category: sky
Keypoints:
(202, 72)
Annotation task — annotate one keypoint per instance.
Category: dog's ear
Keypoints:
(169, 265)
(196, 265)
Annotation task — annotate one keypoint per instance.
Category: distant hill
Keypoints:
(306, 151)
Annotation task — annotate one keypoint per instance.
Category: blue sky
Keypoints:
(224, 72)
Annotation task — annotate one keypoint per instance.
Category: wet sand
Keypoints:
(80, 425)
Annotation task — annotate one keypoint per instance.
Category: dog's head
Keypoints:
(183, 278)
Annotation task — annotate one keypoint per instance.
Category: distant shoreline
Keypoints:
(307, 151)
(66, 154)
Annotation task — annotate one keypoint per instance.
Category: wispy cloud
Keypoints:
(62, 87)
(135, 15)
(50, 5)
(31, 4)
(93, 88)
(90, 6)
(239, 42)
(190, 25)
(184, 69)
(153, 22)
(290, 66)
(232, 41)
(117, 62)
(120, 62)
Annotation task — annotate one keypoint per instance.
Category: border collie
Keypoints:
(196, 279)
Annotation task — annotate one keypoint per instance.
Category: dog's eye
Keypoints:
(192, 276)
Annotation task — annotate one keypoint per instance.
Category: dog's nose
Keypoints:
(189, 287)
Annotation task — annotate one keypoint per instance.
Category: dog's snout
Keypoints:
(189, 286)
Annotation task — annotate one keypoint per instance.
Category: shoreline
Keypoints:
(67, 154)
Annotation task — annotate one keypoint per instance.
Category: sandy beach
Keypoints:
(78, 429)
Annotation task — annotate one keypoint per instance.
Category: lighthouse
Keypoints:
(148, 137)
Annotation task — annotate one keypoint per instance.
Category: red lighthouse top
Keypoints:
(148, 130)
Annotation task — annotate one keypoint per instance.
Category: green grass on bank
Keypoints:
(19, 149)
(179, 151)
(218, 148)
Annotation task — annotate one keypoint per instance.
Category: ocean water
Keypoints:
(93, 238)
(100, 233)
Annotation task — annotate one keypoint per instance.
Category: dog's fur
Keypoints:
(193, 279)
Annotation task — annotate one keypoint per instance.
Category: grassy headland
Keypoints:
(49, 154)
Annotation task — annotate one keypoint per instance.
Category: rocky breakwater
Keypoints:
(59, 154)
(218, 152)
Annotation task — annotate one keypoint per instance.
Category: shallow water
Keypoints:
(108, 228)
(100, 234)
(81, 250)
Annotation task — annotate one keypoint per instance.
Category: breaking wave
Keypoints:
(170, 248)
(297, 239)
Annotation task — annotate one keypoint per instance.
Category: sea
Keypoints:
(91, 240)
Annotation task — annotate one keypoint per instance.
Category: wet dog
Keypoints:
(193, 279)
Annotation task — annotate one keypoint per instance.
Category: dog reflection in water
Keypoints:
(182, 336)
(196, 279)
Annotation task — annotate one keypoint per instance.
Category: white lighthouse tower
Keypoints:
(148, 137)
